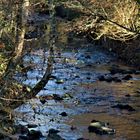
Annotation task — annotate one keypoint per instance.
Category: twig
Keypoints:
(15, 100)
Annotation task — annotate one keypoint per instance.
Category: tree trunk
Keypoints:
(10, 98)
(52, 40)
(7, 80)
(23, 12)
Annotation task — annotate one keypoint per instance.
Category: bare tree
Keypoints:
(22, 16)
(52, 39)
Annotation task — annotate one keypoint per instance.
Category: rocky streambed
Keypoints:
(87, 84)
(90, 95)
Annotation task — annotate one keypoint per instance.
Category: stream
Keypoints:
(88, 83)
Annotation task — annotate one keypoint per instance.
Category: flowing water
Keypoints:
(85, 96)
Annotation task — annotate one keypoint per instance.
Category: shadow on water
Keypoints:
(84, 94)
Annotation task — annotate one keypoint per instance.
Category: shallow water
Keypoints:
(79, 66)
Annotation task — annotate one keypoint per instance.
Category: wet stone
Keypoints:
(109, 78)
(101, 78)
(51, 120)
(116, 69)
(88, 73)
(88, 78)
(100, 128)
(57, 97)
(137, 72)
(127, 95)
(53, 135)
(63, 114)
(130, 72)
(67, 96)
(77, 68)
(52, 77)
(53, 131)
(116, 79)
(88, 57)
(43, 101)
(49, 97)
(127, 77)
(31, 125)
(59, 81)
(64, 88)
(88, 65)
(124, 107)
(138, 91)
(23, 138)
(73, 128)
(34, 135)
(136, 121)
(20, 129)
(77, 76)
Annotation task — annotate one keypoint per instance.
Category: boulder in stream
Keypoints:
(52, 135)
(34, 135)
(127, 77)
(63, 114)
(100, 128)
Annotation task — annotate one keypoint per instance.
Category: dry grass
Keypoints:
(126, 14)
(121, 19)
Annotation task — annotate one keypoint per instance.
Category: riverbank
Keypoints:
(128, 52)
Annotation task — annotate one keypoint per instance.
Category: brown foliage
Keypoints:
(118, 20)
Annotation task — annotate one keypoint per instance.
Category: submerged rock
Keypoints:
(57, 97)
(100, 128)
(116, 79)
(73, 128)
(23, 138)
(127, 77)
(34, 135)
(116, 69)
(89, 65)
(88, 57)
(52, 77)
(101, 78)
(137, 72)
(20, 129)
(67, 96)
(124, 107)
(53, 131)
(43, 101)
(127, 95)
(63, 114)
(32, 125)
(109, 78)
(53, 135)
(88, 78)
(65, 88)
(59, 81)
(48, 97)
